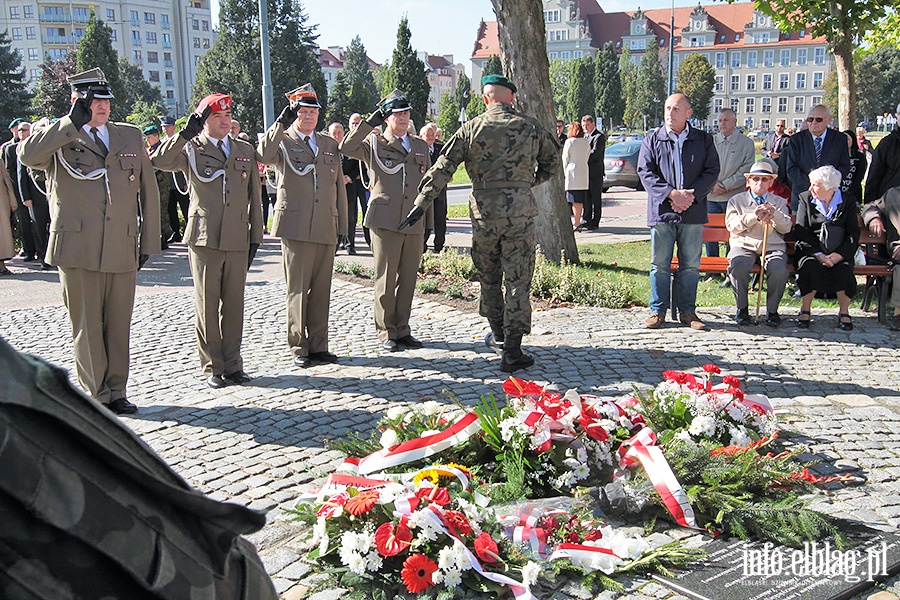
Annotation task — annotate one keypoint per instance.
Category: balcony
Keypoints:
(136, 42)
(170, 82)
(167, 44)
(63, 40)
(168, 63)
(170, 101)
(167, 25)
(56, 19)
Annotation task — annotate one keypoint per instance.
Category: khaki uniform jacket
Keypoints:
(226, 209)
(89, 228)
(310, 207)
(7, 200)
(746, 232)
(392, 195)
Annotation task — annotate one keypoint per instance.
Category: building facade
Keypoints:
(762, 73)
(332, 60)
(443, 76)
(164, 38)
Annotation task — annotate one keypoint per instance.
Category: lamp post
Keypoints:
(267, 101)
(672, 51)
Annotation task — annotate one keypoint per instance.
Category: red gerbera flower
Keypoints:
(711, 368)
(390, 542)
(417, 572)
(361, 503)
(456, 522)
(437, 495)
(486, 548)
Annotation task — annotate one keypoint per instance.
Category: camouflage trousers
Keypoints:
(503, 253)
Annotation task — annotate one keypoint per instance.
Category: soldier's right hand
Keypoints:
(288, 116)
(377, 118)
(194, 124)
(80, 113)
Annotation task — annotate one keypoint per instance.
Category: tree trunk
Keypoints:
(524, 55)
(843, 60)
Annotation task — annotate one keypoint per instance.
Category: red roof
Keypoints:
(727, 19)
(438, 62)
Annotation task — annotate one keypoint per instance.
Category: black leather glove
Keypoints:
(142, 260)
(412, 218)
(253, 249)
(288, 116)
(377, 118)
(194, 124)
(81, 113)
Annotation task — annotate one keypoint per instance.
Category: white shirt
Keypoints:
(405, 141)
(311, 140)
(102, 132)
(679, 145)
(227, 143)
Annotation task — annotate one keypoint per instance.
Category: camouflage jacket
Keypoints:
(506, 153)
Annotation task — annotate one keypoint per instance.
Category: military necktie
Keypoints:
(221, 145)
(818, 141)
(103, 149)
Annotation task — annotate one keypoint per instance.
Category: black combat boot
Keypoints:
(494, 339)
(513, 357)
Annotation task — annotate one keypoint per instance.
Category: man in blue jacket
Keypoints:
(678, 166)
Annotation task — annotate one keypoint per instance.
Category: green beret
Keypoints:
(151, 130)
(495, 79)
(15, 122)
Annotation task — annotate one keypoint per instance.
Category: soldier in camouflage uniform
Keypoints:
(164, 182)
(500, 148)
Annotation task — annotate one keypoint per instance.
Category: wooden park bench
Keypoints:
(878, 276)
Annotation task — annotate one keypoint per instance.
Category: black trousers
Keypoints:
(26, 231)
(177, 201)
(40, 225)
(356, 201)
(593, 205)
(440, 223)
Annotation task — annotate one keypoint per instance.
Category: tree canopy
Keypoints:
(363, 94)
(608, 86)
(697, 81)
(339, 101)
(139, 90)
(580, 99)
(51, 98)
(96, 50)
(407, 74)
(15, 101)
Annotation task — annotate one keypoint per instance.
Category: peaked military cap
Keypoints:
(304, 95)
(396, 101)
(91, 81)
(14, 123)
(167, 120)
(495, 79)
(151, 130)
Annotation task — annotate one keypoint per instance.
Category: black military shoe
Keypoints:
(773, 319)
(742, 318)
(323, 357)
(121, 406)
(237, 378)
(513, 357)
(493, 342)
(410, 342)
(216, 382)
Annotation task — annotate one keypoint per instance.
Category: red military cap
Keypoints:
(217, 102)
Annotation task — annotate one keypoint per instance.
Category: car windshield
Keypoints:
(623, 149)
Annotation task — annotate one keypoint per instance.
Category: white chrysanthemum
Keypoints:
(437, 578)
(602, 454)
(463, 563)
(565, 480)
(702, 425)
(357, 563)
(446, 558)
(571, 463)
(349, 541)
(581, 454)
(389, 438)
(530, 573)
(511, 426)
(395, 412)
(374, 562)
(735, 412)
(739, 435)
(596, 561)
(452, 578)
(582, 472)
(685, 437)
(430, 408)
(365, 541)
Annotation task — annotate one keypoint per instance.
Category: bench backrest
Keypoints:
(715, 231)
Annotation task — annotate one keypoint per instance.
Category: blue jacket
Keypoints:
(656, 168)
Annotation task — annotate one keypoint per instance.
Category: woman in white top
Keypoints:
(575, 166)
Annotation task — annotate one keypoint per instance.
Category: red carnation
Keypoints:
(417, 572)
(486, 548)
(437, 495)
(711, 368)
(389, 542)
(732, 381)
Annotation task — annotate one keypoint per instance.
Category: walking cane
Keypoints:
(762, 271)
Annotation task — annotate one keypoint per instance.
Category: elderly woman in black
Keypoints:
(827, 232)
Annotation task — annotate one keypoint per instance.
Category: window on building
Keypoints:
(552, 16)
(818, 80)
(761, 38)
(33, 54)
(138, 58)
(750, 105)
(114, 36)
(782, 105)
(195, 25)
(801, 81)
(575, 54)
(819, 56)
(53, 14)
(79, 32)
(565, 55)
(735, 83)
(167, 40)
(815, 100)
(735, 60)
(735, 105)
(769, 58)
(57, 53)
(800, 104)
(785, 57)
(722, 39)
(196, 42)
(151, 37)
(751, 83)
(29, 11)
(558, 35)
(110, 14)
(206, 43)
(784, 81)
(167, 57)
(152, 57)
(737, 38)
(169, 79)
(802, 54)
(766, 105)
(154, 76)
(717, 105)
(34, 74)
(204, 25)
(30, 33)
(767, 81)
(80, 14)
(553, 55)
(17, 33)
(638, 44)
(135, 20)
(764, 124)
(55, 34)
(720, 83)
(149, 18)
(697, 41)
(14, 12)
(164, 21)
(751, 59)
(135, 37)
(720, 60)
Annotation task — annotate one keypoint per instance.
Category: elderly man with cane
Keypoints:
(749, 217)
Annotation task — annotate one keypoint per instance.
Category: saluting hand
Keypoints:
(81, 113)
(377, 118)
(288, 116)
(194, 124)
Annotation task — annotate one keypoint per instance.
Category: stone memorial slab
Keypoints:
(750, 570)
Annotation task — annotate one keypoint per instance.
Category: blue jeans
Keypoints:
(715, 208)
(662, 246)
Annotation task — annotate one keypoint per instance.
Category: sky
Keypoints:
(438, 26)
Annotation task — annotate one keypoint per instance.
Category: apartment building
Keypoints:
(762, 73)
(165, 38)
(443, 76)
(332, 60)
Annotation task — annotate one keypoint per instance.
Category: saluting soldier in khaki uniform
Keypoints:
(104, 207)
(223, 231)
(396, 161)
(310, 213)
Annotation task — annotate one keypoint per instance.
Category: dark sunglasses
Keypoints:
(816, 119)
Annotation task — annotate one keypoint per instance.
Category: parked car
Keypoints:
(621, 165)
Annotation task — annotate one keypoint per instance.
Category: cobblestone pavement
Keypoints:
(262, 444)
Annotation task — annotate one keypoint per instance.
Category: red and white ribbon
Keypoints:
(579, 551)
(663, 479)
